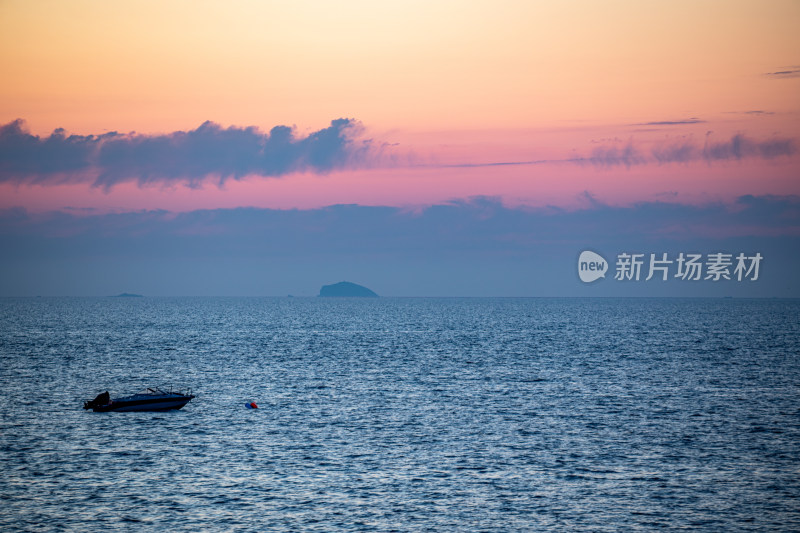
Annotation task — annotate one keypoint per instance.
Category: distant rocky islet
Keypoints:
(345, 289)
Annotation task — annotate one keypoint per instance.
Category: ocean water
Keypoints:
(402, 414)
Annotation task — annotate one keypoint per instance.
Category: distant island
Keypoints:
(346, 289)
(127, 295)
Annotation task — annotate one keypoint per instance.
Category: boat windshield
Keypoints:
(158, 391)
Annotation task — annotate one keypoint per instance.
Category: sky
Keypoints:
(470, 148)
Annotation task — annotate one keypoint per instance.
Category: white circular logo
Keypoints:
(591, 266)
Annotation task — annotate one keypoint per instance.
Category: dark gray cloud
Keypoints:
(613, 156)
(471, 247)
(672, 122)
(190, 157)
(456, 223)
(211, 152)
(53, 158)
(791, 72)
(741, 147)
(736, 148)
(677, 152)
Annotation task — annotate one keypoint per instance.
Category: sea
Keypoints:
(402, 414)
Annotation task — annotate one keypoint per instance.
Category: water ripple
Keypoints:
(403, 415)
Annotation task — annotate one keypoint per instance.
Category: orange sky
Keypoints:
(451, 82)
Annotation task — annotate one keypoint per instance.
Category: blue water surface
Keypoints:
(402, 414)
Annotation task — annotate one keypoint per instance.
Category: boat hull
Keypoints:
(146, 403)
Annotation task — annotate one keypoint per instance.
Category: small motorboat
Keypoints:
(147, 400)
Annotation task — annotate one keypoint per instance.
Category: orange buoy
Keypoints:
(253, 405)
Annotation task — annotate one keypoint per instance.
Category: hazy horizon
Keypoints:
(421, 148)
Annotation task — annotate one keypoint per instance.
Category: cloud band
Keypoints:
(183, 156)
